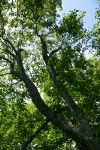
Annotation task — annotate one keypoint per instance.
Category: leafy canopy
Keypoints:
(38, 47)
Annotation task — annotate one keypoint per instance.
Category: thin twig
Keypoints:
(4, 74)
(10, 43)
(54, 51)
(2, 57)
(25, 145)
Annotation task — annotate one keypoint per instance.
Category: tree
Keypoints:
(96, 33)
(42, 54)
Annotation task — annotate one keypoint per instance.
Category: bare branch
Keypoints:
(24, 147)
(2, 57)
(44, 50)
(54, 51)
(11, 54)
(4, 74)
(31, 138)
(45, 56)
(10, 43)
(10, 62)
(2, 24)
(3, 33)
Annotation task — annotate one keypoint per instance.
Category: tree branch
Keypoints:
(63, 91)
(45, 56)
(54, 51)
(25, 145)
(10, 43)
(11, 54)
(44, 50)
(31, 138)
(2, 57)
(85, 130)
(6, 39)
(4, 74)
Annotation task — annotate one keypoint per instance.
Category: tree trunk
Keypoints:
(85, 137)
(82, 132)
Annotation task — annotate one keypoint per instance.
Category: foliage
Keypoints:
(49, 92)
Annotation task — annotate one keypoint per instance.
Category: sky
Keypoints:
(89, 6)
